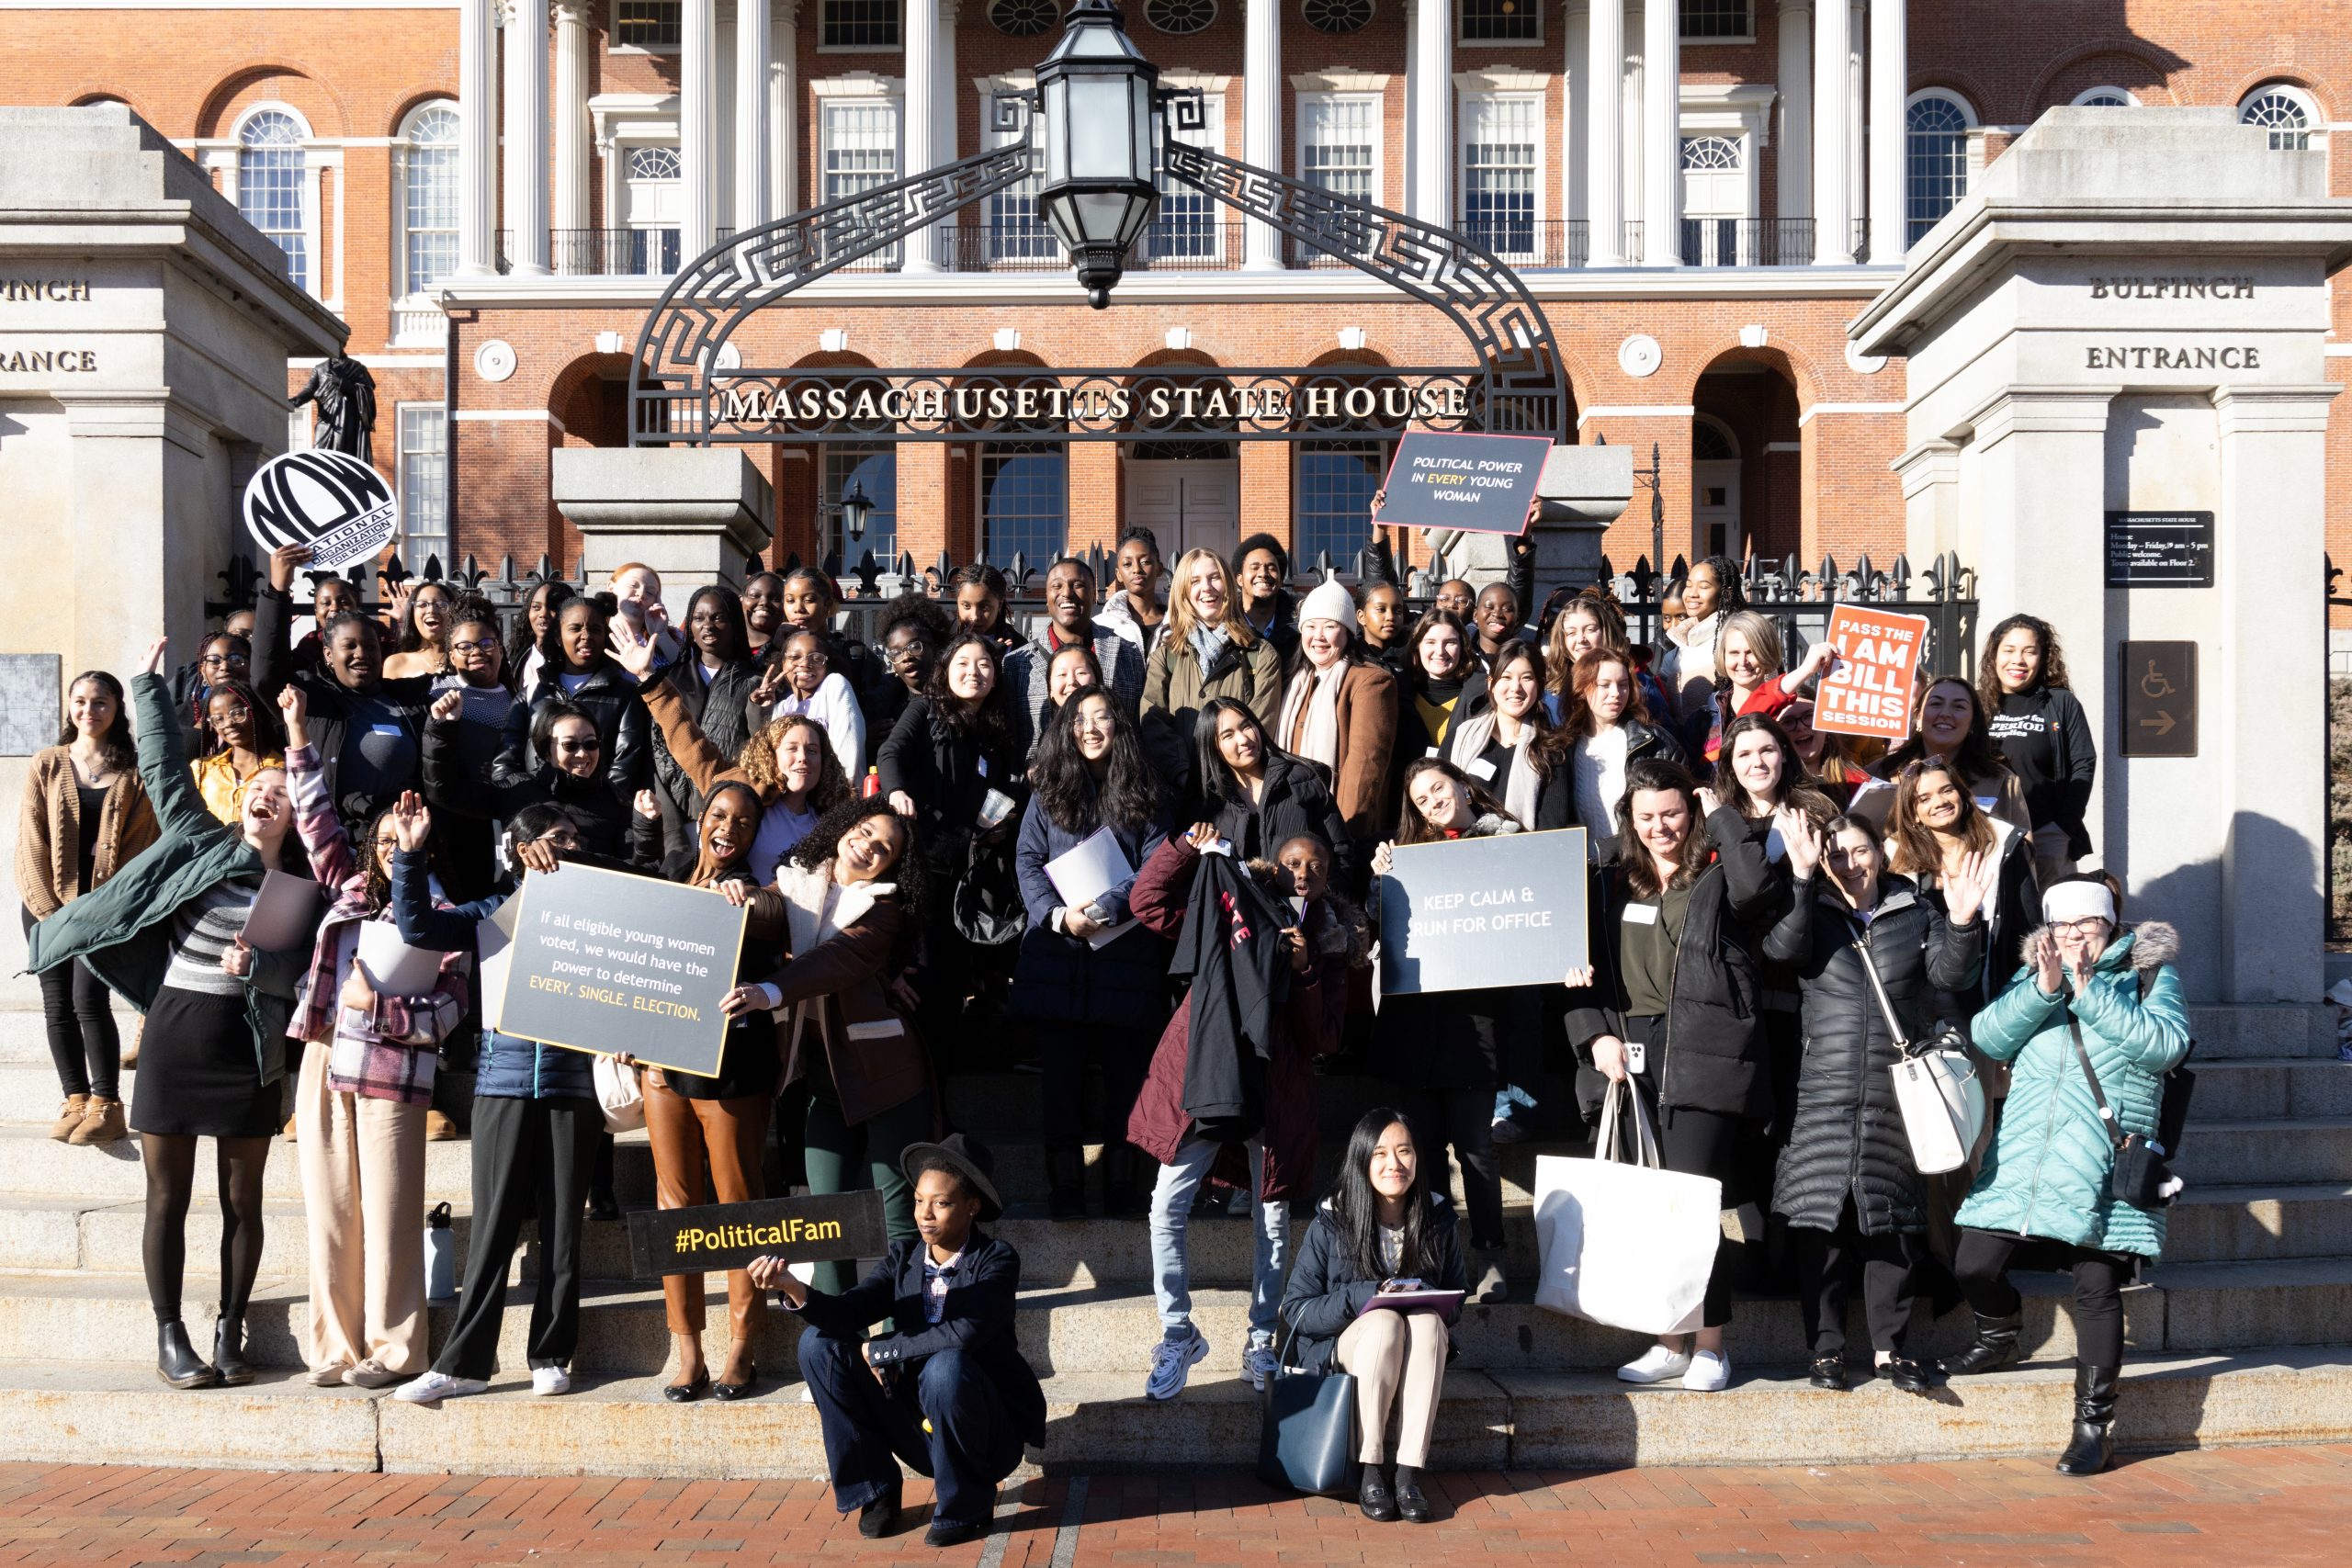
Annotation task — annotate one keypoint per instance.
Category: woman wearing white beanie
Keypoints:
(1339, 711)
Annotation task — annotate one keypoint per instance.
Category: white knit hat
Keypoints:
(2072, 901)
(1329, 602)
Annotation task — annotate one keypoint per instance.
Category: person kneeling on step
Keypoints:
(2091, 1024)
(948, 1392)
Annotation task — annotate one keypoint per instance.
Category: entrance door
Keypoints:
(1193, 502)
(1714, 506)
(652, 198)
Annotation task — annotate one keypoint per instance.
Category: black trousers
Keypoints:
(1826, 1264)
(970, 1445)
(1980, 1263)
(84, 1045)
(1062, 1051)
(1464, 1119)
(1702, 1142)
(531, 1161)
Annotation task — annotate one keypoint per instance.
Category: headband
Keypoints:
(2071, 901)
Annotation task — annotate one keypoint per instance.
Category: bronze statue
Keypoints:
(345, 394)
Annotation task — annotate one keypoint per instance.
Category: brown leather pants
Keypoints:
(729, 1135)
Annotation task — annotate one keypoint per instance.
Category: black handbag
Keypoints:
(1307, 1439)
(2141, 1175)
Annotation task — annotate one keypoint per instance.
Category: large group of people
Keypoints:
(898, 818)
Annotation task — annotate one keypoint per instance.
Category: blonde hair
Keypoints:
(1762, 638)
(1183, 621)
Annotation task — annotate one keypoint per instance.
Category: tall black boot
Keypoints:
(2094, 1446)
(177, 1362)
(1066, 1184)
(229, 1352)
(1123, 1195)
(1996, 1346)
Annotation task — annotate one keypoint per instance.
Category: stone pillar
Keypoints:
(1832, 242)
(478, 132)
(691, 514)
(527, 136)
(1432, 67)
(1796, 151)
(1661, 133)
(1576, 33)
(784, 109)
(918, 128)
(943, 127)
(1889, 78)
(697, 128)
(1604, 144)
(1930, 473)
(574, 72)
(1262, 122)
(753, 144)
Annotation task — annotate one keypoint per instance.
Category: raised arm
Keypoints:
(324, 838)
(162, 752)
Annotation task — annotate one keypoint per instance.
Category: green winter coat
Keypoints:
(122, 928)
(2047, 1172)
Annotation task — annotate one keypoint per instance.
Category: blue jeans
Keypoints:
(972, 1445)
(1171, 1207)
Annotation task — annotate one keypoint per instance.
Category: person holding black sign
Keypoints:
(2040, 730)
(947, 1392)
(1388, 1228)
(1668, 1004)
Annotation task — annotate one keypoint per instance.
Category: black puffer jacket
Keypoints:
(1327, 1291)
(1296, 800)
(609, 697)
(1849, 1135)
(1716, 1058)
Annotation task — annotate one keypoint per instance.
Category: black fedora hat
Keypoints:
(972, 1161)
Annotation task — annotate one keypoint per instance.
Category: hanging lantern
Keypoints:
(1096, 92)
(857, 507)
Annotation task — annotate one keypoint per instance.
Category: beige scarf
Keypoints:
(1519, 787)
(1314, 695)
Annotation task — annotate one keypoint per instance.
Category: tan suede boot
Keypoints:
(69, 1116)
(101, 1123)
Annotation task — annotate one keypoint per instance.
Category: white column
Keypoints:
(1433, 113)
(1858, 174)
(477, 127)
(1604, 145)
(1577, 32)
(697, 128)
(1795, 168)
(918, 118)
(574, 69)
(784, 109)
(1261, 121)
(1832, 236)
(753, 143)
(1661, 133)
(1890, 81)
(526, 135)
(942, 125)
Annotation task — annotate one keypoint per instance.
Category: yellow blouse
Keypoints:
(218, 781)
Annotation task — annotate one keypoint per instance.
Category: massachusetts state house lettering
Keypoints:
(2172, 288)
(47, 361)
(2184, 358)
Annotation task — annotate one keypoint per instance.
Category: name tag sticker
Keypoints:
(1641, 914)
(384, 729)
(1985, 802)
(1480, 767)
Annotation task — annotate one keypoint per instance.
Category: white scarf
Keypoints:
(1316, 692)
(1520, 787)
(816, 910)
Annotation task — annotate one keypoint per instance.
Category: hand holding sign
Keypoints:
(1870, 691)
(1479, 484)
(332, 504)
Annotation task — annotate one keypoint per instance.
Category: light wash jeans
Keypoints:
(1171, 1207)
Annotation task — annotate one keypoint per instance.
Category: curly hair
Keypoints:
(411, 637)
(816, 851)
(1126, 796)
(757, 762)
(2051, 676)
(269, 734)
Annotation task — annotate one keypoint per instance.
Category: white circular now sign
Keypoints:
(331, 501)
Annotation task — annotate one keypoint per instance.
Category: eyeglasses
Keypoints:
(590, 744)
(487, 645)
(2087, 926)
(388, 843)
(216, 660)
(237, 715)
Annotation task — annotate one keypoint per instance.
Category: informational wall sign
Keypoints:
(2160, 549)
(330, 500)
(1870, 691)
(728, 1235)
(1470, 913)
(606, 962)
(2158, 681)
(1480, 484)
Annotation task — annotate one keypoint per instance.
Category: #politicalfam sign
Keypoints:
(606, 962)
(1878, 669)
(1470, 913)
(728, 1235)
(1482, 484)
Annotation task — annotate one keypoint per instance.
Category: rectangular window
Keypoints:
(1707, 20)
(1338, 145)
(1024, 503)
(1336, 483)
(873, 470)
(645, 24)
(1015, 232)
(1502, 21)
(1186, 228)
(1501, 141)
(859, 24)
(270, 194)
(431, 215)
(424, 484)
(861, 152)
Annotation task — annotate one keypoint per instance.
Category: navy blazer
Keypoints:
(981, 1293)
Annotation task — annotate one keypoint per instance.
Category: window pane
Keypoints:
(860, 24)
(1186, 223)
(646, 24)
(1502, 21)
(1935, 163)
(1336, 481)
(423, 459)
(875, 471)
(861, 152)
(1339, 136)
(1499, 138)
(432, 198)
(1015, 232)
(2278, 112)
(1025, 504)
(269, 188)
(1715, 18)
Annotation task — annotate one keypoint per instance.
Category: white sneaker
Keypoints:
(1656, 1364)
(1258, 1365)
(545, 1381)
(1172, 1365)
(1710, 1373)
(434, 1387)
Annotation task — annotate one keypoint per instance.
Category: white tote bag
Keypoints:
(619, 1092)
(1936, 1087)
(1625, 1244)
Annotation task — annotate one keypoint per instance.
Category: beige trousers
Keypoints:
(363, 1195)
(1384, 1350)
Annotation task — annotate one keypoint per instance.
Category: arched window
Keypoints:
(1712, 440)
(273, 188)
(1024, 503)
(1934, 160)
(429, 213)
(2282, 111)
(874, 471)
(2106, 98)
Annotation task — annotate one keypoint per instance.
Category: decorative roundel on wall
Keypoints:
(1338, 15)
(1179, 16)
(494, 361)
(1863, 363)
(1640, 356)
(1024, 18)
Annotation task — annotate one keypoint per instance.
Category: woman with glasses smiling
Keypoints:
(238, 738)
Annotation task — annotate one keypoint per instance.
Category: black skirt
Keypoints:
(197, 1073)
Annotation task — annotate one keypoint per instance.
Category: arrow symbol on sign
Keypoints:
(2161, 724)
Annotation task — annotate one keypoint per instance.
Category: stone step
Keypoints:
(2260, 1088)
(2244, 1153)
(82, 1413)
(2224, 1224)
(2230, 1032)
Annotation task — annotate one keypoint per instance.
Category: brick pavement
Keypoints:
(2252, 1507)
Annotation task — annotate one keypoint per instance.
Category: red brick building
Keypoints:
(494, 192)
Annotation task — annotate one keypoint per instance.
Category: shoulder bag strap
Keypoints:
(1878, 989)
(2090, 1075)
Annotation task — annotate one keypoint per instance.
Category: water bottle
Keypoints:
(440, 1255)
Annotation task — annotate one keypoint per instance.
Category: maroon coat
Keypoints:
(1307, 1026)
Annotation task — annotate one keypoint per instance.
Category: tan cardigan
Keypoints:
(49, 832)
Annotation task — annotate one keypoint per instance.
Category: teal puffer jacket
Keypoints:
(2046, 1174)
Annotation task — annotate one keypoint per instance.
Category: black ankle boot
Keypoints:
(229, 1352)
(1996, 1347)
(177, 1362)
(1066, 1184)
(2094, 1446)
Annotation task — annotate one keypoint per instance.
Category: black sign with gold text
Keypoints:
(836, 1228)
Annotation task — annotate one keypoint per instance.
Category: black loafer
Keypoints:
(1828, 1372)
(1373, 1496)
(1909, 1376)
(953, 1535)
(1411, 1506)
(880, 1517)
(686, 1393)
(723, 1391)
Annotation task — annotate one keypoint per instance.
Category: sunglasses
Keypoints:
(590, 744)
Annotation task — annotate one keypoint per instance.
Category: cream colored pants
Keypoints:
(363, 1195)
(1384, 1350)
